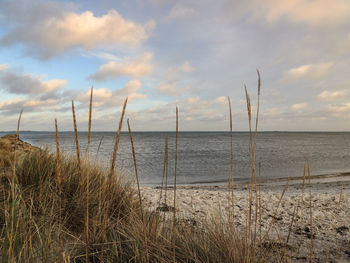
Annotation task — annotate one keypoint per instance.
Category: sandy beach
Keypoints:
(326, 233)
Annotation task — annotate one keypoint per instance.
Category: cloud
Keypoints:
(310, 71)
(28, 105)
(3, 67)
(171, 89)
(192, 109)
(339, 108)
(186, 67)
(221, 100)
(16, 83)
(328, 95)
(49, 35)
(299, 106)
(134, 68)
(310, 12)
(179, 10)
(105, 98)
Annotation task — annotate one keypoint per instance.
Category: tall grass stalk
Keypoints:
(231, 179)
(15, 150)
(253, 162)
(310, 210)
(89, 124)
(110, 177)
(248, 223)
(59, 182)
(259, 205)
(165, 174)
(276, 210)
(303, 185)
(12, 235)
(116, 144)
(88, 184)
(98, 147)
(76, 139)
(175, 170)
(138, 190)
(292, 221)
(86, 223)
(341, 194)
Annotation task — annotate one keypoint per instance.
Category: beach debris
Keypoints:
(165, 208)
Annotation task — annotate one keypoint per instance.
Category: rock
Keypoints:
(8, 145)
(342, 230)
(10, 141)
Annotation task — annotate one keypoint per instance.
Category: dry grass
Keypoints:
(63, 209)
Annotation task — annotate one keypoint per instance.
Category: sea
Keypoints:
(204, 157)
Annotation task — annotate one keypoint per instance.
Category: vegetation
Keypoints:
(56, 208)
(37, 227)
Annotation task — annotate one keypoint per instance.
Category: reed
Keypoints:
(276, 211)
(310, 211)
(259, 205)
(303, 185)
(138, 190)
(249, 217)
(292, 221)
(98, 147)
(231, 179)
(89, 125)
(76, 139)
(88, 183)
(12, 237)
(16, 141)
(116, 144)
(86, 217)
(253, 162)
(59, 178)
(111, 175)
(175, 170)
(341, 195)
(165, 174)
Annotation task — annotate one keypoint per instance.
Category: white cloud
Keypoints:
(134, 68)
(192, 109)
(17, 83)
(105, 98)
(28, 105)
(310, 12)
(3, 67)
(310, 71)
(339, 108)
(47, 36)
(186, 67)
(329, 95)
(299, 106)
(221, 100)
(171, 89)
(179, 10)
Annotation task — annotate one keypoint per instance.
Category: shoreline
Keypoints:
(323, 178)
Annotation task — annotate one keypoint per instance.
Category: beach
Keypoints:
(286, 220)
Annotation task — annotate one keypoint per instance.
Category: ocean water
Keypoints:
(204, 157)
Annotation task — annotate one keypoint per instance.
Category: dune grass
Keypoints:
(66, 209)
(49, 227)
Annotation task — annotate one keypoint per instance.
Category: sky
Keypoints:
(167, 53)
